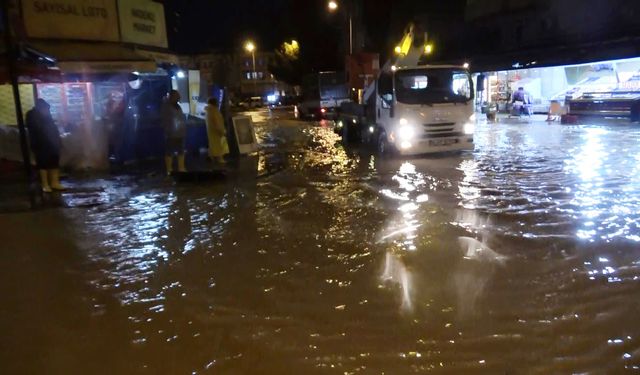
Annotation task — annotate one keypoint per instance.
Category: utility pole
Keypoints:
(12, 55)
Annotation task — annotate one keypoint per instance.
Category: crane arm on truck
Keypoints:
(408, 53)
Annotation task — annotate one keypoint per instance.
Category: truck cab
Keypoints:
(422, 109)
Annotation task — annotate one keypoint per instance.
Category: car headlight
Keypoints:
(469, 128)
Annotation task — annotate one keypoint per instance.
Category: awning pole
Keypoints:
(11, 59)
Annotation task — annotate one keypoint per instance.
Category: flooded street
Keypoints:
(520, 257)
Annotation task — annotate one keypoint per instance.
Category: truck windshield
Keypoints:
(431, 86)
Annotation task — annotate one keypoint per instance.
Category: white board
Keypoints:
(245, 134)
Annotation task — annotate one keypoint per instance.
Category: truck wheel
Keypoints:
(345, 132)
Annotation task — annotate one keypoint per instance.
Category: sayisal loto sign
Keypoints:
(71, 19)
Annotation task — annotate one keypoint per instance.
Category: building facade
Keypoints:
(520, 26)
(236, 72)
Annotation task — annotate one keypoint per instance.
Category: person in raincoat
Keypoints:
(45, 144)
(216, 132)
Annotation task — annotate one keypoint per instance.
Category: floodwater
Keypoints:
(520, 257)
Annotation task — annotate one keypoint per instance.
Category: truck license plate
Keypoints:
(442, 142)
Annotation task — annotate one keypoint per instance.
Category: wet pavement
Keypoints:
(520, 257)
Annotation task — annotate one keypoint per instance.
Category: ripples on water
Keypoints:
(520, 257)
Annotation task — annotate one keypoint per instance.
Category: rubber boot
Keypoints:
(54, 180)
(181, 166)
(44, 181)
(168, 162)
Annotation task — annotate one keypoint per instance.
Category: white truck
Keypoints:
(411, 108)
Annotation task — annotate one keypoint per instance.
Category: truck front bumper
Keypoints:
(430, 146)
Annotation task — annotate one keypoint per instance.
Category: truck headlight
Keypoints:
(469, 128)
(406, 133)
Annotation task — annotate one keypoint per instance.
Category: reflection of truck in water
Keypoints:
(413, 108)
(322, 93)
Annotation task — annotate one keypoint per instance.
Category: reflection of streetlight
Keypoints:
(333, 6)
(251, 48)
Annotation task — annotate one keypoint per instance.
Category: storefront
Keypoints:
(107, 100)
(563, 84)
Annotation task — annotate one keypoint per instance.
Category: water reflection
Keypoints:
(401, 230)
(604, 190)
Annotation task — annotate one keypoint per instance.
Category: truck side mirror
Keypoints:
(385, 104)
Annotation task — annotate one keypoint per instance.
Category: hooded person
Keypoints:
(45, 141)
(216, 132)
(175, 131)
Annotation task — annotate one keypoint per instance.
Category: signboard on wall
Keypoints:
(71, 19)
(142, 22)
(194, 91)
(7, 104)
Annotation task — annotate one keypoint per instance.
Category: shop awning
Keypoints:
(29, 72)
(95, 58)
(31, 66)
(559, 55)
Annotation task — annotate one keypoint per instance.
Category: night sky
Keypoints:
(196, 26)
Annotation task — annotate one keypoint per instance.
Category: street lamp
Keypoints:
(250, 47)
(333, 6)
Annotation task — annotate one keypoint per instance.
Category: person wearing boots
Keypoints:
(45, 144)
(175, 131)
(216, 132)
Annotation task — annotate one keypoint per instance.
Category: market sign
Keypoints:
(71, 19)
(142, 22)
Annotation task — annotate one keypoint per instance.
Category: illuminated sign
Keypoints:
(71, 19)
(142, 22)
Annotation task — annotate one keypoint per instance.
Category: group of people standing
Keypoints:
(45, 139)
(175, 131)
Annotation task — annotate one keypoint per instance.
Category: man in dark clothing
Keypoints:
(521, 101)
(175, 131)
(45, 144)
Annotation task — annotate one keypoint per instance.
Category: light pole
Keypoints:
(333, 7)
(250, 47)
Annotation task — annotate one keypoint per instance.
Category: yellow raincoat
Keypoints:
(216, 132)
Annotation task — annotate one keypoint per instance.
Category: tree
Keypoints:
(288, 66)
